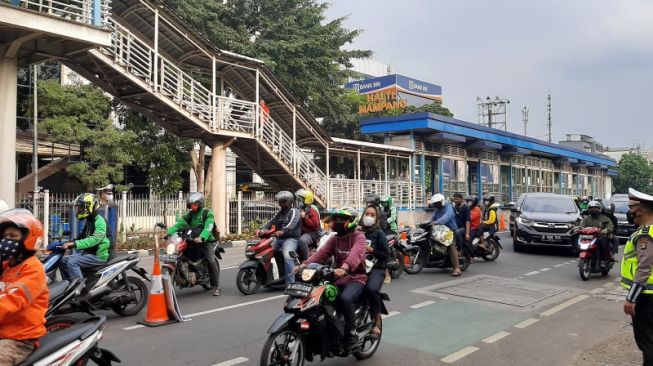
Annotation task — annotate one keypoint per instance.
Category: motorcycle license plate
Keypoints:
(586, 237)
(298, 289)
(551, 238)
(168, 257)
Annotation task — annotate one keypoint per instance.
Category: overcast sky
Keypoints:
(595, 57)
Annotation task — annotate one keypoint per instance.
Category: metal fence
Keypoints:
(249, 211)
(93, 12)
(351, 192)
(140, 214)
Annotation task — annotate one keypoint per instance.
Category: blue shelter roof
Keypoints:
(429, 123)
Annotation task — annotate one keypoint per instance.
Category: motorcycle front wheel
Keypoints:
(492, 254)
(416, 262)
(368, 346)
(248, 280)
(585, 269)
(284, 347)
(139, 289)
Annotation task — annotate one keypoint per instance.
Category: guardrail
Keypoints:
(92, 12)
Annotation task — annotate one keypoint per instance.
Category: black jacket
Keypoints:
(288, 221)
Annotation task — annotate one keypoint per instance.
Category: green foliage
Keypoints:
(80, 114)
(162, 155)
(634, 172)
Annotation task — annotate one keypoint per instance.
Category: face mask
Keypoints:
(109, 197)
(368, 221)
(594, 214)
(10, 249)
(631, 218)
(340, 228)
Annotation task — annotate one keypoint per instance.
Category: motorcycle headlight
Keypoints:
(307, 274)
(524, 221)
(622, 222)
(170, 249)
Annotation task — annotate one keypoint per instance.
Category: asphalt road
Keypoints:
(525, 308)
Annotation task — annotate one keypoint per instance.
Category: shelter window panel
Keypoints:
(490, 179)
(547, 181)
(452, 171)
(518, 181)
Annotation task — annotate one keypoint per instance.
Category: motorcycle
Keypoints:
(61, 294)
(310, 325)
(589, 260)
(397, 242)
(108, 287)
(263, 266)
(429, 247)
(184, 261)
(492, 247)
(75, 345)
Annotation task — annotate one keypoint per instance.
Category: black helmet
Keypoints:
(372, 199)
(195, 197)
(287, 197)
(609, 208)
(474, 199)
(490, 199)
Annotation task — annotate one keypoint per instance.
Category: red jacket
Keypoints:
(475, 217)
(348, 252)
(311, 220)
(23, 300)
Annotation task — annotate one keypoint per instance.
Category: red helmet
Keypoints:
(26, 222)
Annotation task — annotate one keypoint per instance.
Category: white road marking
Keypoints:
(235, 361)
(526, 323)
(422, 304)
(231, 267)
(460, 354)
(496, 337)
(134, 327)
(532, 273)
(544, 269)
(559, 265)
(392, 313)
(564, 305)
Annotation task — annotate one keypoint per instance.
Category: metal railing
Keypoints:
(92, 12)
(351, 192)
(249, 211)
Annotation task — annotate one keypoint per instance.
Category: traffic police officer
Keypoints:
(636, 273)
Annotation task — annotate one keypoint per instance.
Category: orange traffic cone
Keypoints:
(157, 311)
(502, 223)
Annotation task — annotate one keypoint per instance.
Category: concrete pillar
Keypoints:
(219, 185)
(8, 91)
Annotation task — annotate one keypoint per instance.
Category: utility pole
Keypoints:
(524, 116)
(35, 122)
(548, 108)
(492, 112)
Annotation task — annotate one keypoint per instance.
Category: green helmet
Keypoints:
(386, 201)
(348, 214)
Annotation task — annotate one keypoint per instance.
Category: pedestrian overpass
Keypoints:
(140, 52)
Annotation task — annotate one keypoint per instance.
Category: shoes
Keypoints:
(216, 291)
(387, 279)
(351, 341)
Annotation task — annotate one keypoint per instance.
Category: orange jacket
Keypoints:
(24, 298)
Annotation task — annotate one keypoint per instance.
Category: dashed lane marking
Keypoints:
(560, 265)
(545, 269)
(532, 273)
(526, 323)
(134, 327)
(496, 337)
(235, 361)
(392, 313)
(564, 305)
(422, 304)
(460, 354)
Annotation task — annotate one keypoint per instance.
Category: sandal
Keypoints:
(376, 332)
(456, 273)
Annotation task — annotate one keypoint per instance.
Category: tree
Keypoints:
(81, 115)
(636, 172)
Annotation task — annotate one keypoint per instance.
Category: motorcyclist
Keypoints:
(288, 223)
(597, 220)
(373, 199)
(461, 210)
(444, 215)
(201, 221)
(92, 245)
(474, 216)
(348, 250)
(23, 286)
(489, 223)
(390, 212)
(377, 246)
(584, 204)
(608, 211)
(310, 222)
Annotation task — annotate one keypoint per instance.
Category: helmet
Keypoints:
(3, 206)
(490, 199)
(610, 208)
(372, 199)
(86, 204)
(595, 204)
(303, 197)
(348, 214)
(30, 226)
(438, 197)
(195, 197)
(386, 201)
(285, 196)
(474, 199)
(585, 198)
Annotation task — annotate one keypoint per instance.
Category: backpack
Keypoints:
(215, 231)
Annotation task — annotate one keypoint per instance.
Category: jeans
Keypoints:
(305, 242)
(460, 237)
(346, 302)
(71, 266)
(287, 245)
(373, 289)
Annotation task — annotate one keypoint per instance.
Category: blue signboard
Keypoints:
(399, 83)
(418, 87)
(372, 85)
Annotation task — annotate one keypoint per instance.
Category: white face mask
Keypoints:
(368, 221)
(109, 197)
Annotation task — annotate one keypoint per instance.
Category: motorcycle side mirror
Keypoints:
(160, 225)
(293, 255)
(515, 209)
(510, 204)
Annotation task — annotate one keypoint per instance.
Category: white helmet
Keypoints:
(3, 206)
(438, 197)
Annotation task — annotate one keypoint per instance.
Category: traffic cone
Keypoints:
(157, 311)
(502, 223)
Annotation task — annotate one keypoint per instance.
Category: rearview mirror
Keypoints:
(160, 225)
(515, 209)
(511, 204)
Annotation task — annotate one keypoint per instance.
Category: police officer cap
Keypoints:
(639, 197)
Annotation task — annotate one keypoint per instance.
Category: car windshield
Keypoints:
(620, 206)
(549, 204)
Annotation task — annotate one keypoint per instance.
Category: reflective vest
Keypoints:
(629, 260)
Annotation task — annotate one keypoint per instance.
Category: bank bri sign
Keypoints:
(398, 83)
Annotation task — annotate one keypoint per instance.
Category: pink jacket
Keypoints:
(349, 252)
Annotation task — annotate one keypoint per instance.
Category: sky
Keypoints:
(595, 58)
